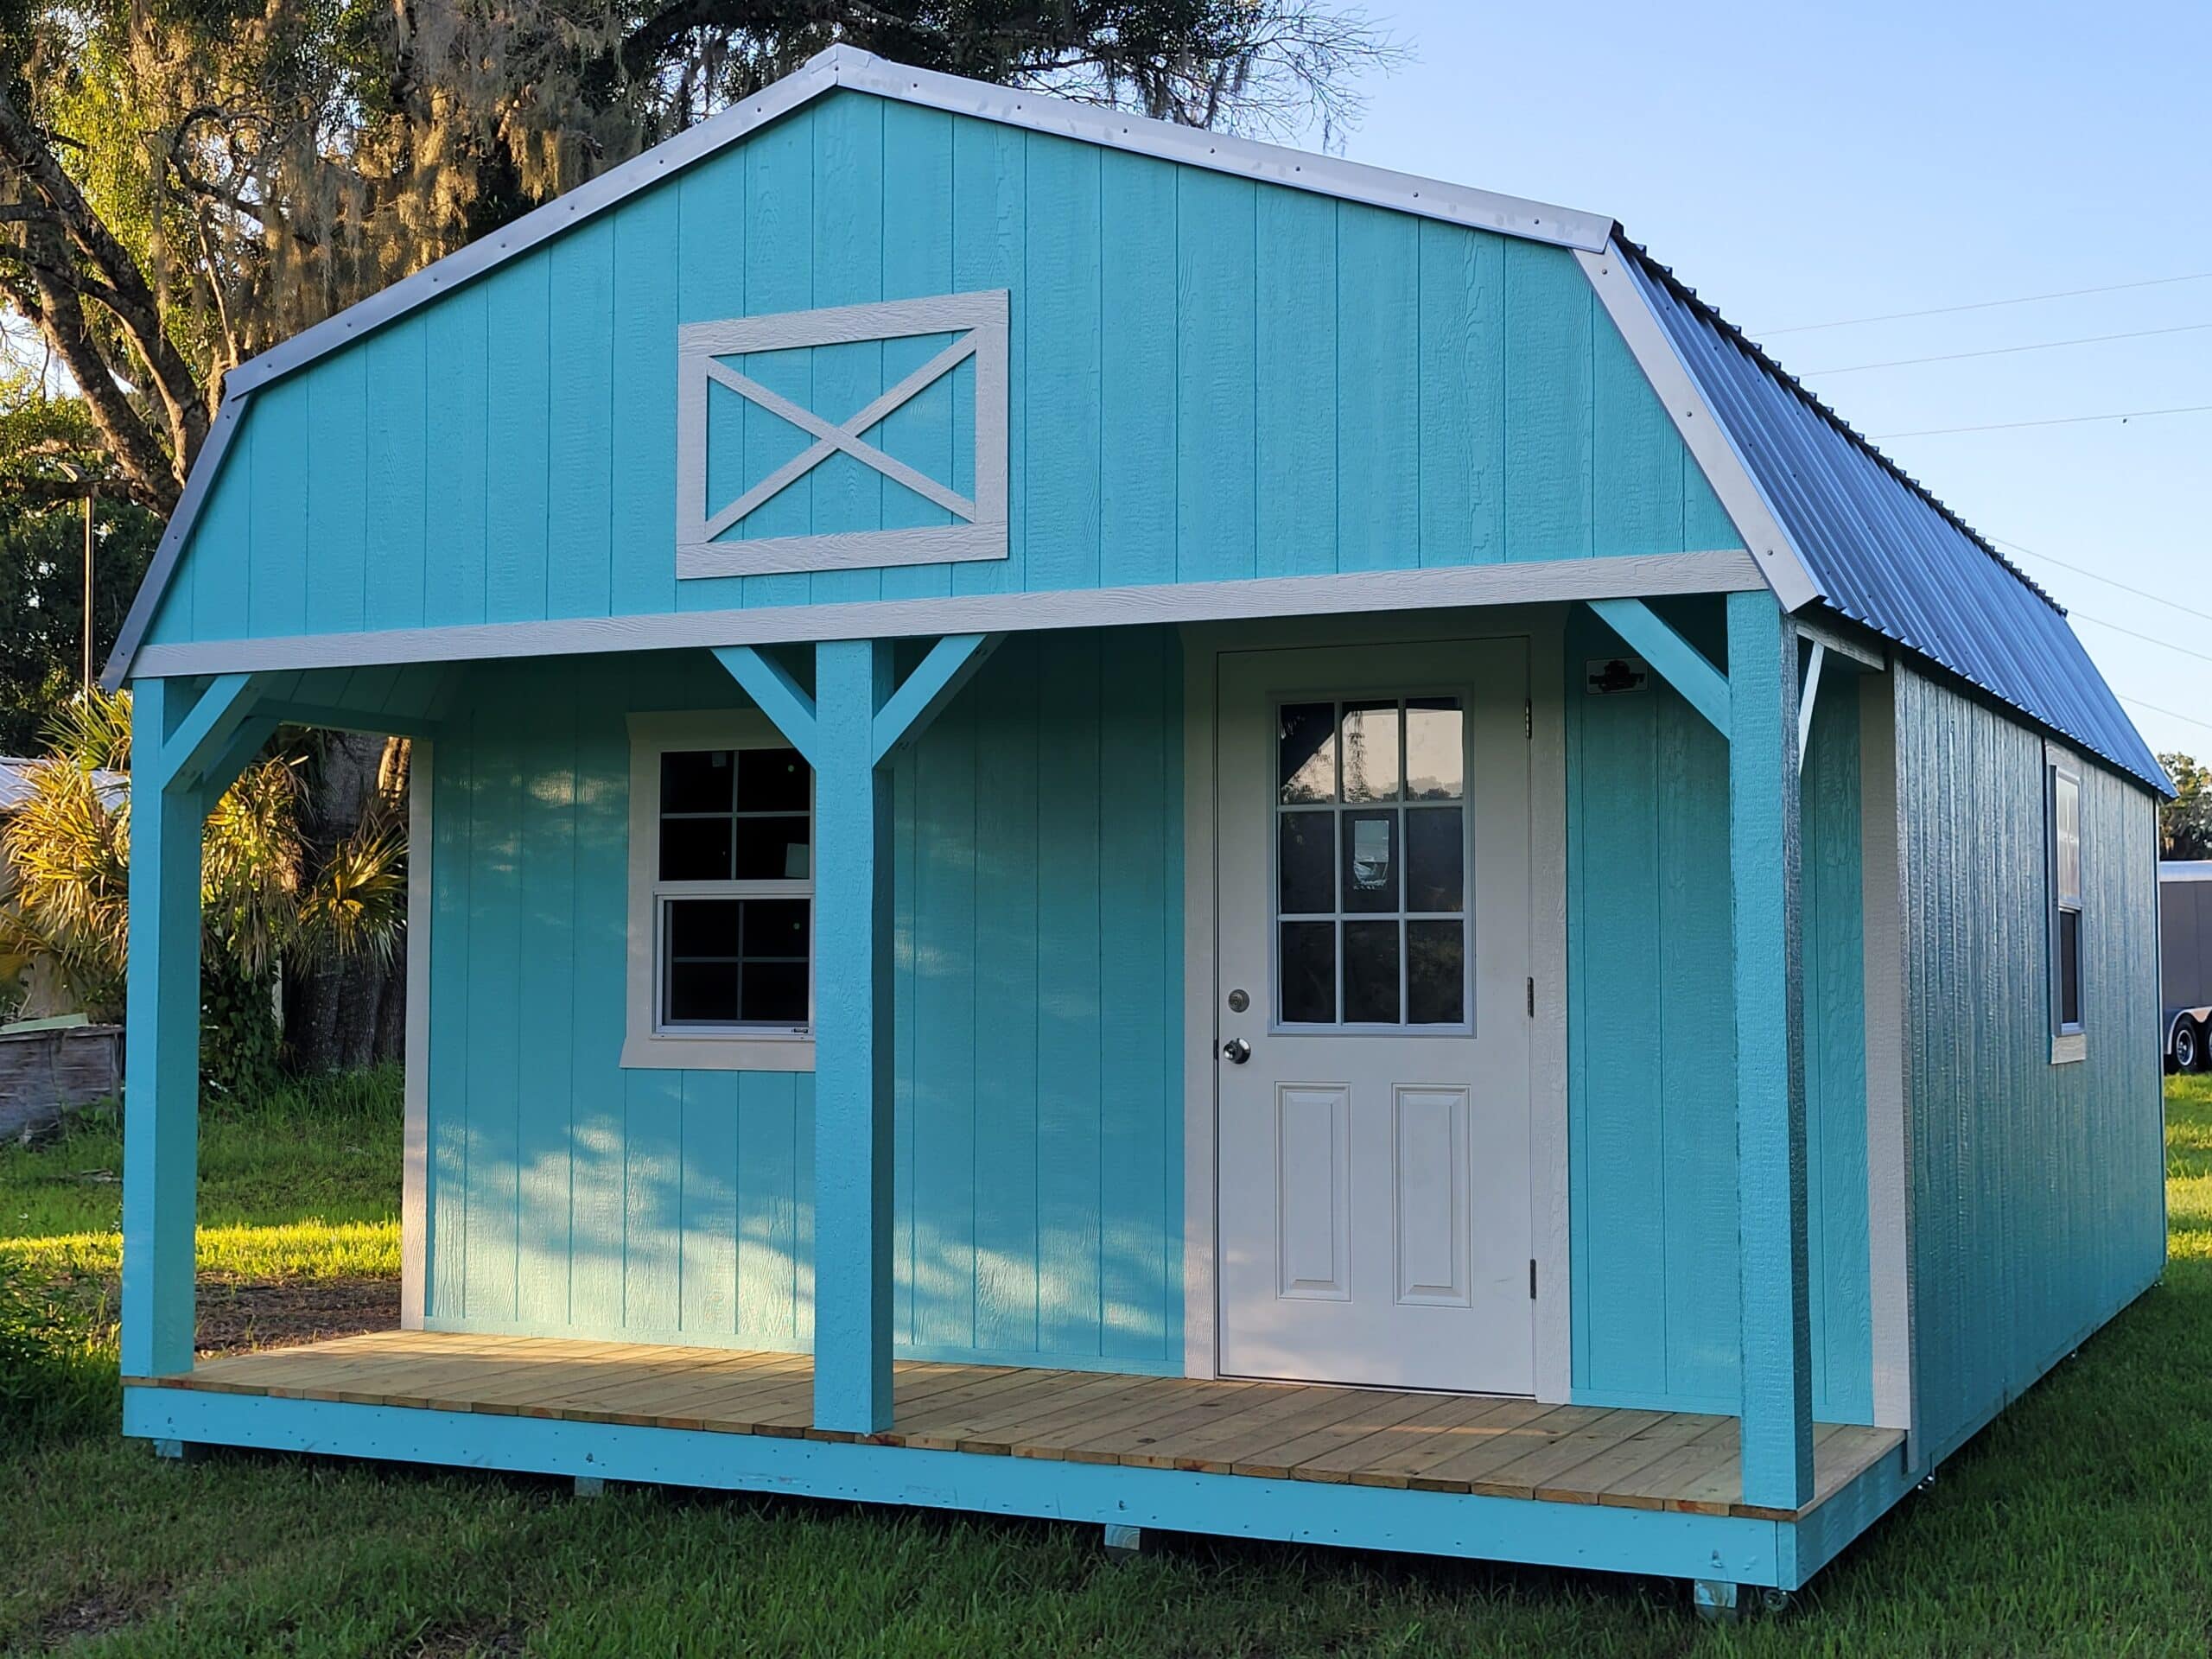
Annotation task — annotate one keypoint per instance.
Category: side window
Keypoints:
(2064, 817)
(733, 889)
(720, 930)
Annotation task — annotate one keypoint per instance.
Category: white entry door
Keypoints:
(1373, 1045)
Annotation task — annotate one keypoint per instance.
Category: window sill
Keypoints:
(659, 1052)
(2069, 1048)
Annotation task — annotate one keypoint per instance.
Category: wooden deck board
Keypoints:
(1371, 1437)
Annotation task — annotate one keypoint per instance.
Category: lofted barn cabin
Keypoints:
(1121, 825)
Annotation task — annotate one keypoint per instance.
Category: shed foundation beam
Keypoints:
(1764, 851)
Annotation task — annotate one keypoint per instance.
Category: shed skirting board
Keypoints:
(1441, 587)
(1592, 1537)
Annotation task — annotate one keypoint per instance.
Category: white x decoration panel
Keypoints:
(720, 503)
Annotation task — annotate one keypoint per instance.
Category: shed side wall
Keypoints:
(1038, 1009)
(2037, 1189)
(1210, 379)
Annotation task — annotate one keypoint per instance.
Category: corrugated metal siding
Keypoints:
(1883, 554)
(2036, 1189)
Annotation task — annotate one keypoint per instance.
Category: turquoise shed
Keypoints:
(1120, 825)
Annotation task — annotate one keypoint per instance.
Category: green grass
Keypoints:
(2075, 1525)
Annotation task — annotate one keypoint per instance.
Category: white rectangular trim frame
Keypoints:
(978, 529)
(646, 1046)
(2062, 791)
(1203, 643)
(1888, 1116)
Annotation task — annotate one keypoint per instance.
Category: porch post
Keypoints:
(852, 1040)
(1763, 837)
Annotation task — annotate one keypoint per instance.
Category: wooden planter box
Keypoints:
(45, 1072)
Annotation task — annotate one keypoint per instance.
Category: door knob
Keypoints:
(1237, 1051)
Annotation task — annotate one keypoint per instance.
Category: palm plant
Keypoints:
(265, 897)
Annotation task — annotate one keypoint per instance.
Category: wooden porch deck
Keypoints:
(1427, 1442)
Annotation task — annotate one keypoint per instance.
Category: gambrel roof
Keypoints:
(1831, 522)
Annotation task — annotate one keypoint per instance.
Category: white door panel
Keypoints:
(1373, 872)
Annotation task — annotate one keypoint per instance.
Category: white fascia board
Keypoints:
(846, 66)
(1703, 431)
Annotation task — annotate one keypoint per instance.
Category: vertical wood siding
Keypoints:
(2036, 1188)
(1651, 1046)
(1210, 379)
(1038, 1082)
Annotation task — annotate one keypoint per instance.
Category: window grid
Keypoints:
(1398, 804)
(668, 892)
(2065, 820)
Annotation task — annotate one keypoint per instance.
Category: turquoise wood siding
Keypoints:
(1651, 1047)
(2036, 1189)
(1037, 992)
(1210, 378)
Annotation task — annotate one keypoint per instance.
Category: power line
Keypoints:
(2004, 351)
(2147, 639)
(2062, 420)
(2186, 720)
(1984, 305)
(2083, 570)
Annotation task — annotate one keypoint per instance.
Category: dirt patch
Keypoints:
(88, 1616)
(468, 1641)
(236, 1315)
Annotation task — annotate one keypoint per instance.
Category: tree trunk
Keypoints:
(340, 1015)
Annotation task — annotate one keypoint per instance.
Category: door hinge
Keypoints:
(1528, 717)
(1532, 998)
(1532, 1277)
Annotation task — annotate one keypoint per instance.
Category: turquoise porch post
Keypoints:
(1762, 836)
(184, 752)
(852, 1040)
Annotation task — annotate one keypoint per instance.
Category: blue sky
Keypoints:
(1801, 165)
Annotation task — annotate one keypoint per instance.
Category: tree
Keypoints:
(269, 895)
(2185, 822)
(184, 183)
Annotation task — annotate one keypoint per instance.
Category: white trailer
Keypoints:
(2185, 961)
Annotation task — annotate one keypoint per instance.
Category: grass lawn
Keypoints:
(2078, 1523)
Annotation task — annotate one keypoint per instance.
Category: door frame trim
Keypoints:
(1204, 643)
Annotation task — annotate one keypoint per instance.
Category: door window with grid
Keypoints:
(1370, 856)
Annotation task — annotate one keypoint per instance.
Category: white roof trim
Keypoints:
(1702, 433)
(849, 67)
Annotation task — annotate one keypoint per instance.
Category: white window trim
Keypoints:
(2069, 1045)
(644, 1047)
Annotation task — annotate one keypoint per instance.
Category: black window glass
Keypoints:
(1436, 966)
(1371, 973)
(1435, 859)
(1306, 863)
(696, 780)
(1307, 973)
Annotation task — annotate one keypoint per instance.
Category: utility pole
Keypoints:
(88, 587)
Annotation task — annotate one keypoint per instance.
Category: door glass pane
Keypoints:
(1308, 973)
(1306, 753)
(1306, 864)
(1436, 761)
(1436, 963)
(1371, 752)
(1370, 858)
(1435, 859)
(1372, 973)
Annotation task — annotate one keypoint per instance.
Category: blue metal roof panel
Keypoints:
(1885, 552)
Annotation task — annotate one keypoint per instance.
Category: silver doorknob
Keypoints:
(1237, 1051)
